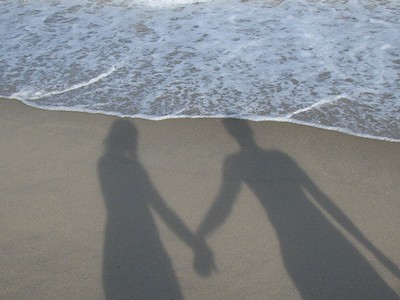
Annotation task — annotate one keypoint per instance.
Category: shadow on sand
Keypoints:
(136, 265)
(321, 262)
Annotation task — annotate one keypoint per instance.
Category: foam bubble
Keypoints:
(165, 4)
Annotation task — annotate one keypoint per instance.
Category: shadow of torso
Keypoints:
(136, 265)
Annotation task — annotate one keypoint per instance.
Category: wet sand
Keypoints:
(287, 212)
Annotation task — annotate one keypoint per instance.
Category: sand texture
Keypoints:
(101, 207)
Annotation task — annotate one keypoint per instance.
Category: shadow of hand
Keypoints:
(203, 262)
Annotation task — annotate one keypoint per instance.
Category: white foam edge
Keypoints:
(159, 4)
(319, 104)
(43, 94)
(220, 116)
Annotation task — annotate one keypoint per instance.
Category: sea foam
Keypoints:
(330, 64)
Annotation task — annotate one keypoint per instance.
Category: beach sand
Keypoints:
(294, 213)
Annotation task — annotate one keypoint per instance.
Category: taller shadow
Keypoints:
(321, 262)
(136, 265)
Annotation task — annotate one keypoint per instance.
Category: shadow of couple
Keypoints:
(319, 259)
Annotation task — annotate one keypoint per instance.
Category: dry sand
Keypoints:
(305, 214)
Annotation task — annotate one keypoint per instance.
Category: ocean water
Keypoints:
(333, 64)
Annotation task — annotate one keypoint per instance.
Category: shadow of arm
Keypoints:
(223, 204)
(174, 222)
(216, 215)
(178, 227)
(333, 210)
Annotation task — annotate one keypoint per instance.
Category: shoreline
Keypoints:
(58, 192)
(248, 118)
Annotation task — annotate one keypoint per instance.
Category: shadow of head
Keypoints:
(241, 131)
(122, 138)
